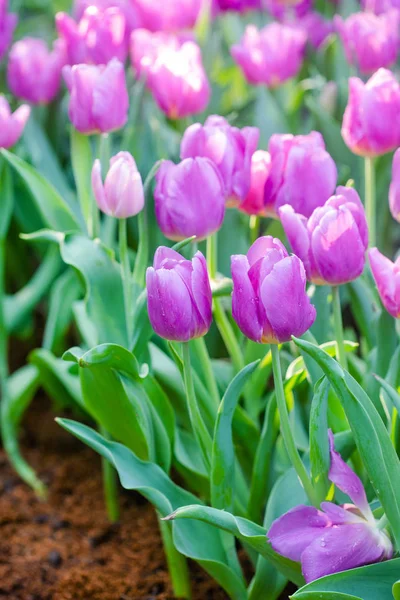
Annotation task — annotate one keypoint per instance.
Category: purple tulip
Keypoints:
(241, 6)
(371, 122)
(272, 55)
(179, 296)
(333, 241)
(12, 125)
(269, 300)
(189, 198)
(8, 22)
(394, 190)
(387, 278)
(302, 174)
(122, 194)
(99, 99)
(34, 73)
(253, 204)
(279, 9)
(379, 6)
(99, 36)
(317, 28)
(229, 148)
(127, 7)
(370, 41)
(146, 46)
(169, 15)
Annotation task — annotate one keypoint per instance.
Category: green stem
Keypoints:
(126, 277)
(177, 565)
(110, 485)
(383, 522)
(338, 326)
(212, 255)
(254, 225)
(285, 427)
(370, 199)
(108, 229)
(200, 347)
(199, 427)
(3, 332)
(82, 162)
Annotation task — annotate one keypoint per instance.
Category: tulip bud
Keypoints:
(253, 204)
(302, 173)
(122, 194)
(370, 41)
(371, 122)
(394, 190)
(179, 296)
(12, 125)
(272, 55)
(99, 98)
(169, 15)
(269, 301)
(97, 38)
(387, 279)
(333, 241)
(189, 198)
(34, 73)
(229, 148)
(8, 22)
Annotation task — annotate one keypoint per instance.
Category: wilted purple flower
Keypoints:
(189, 198)
(387, 279)
(241, 6)
(99, 36)
(335, 538)
(34, 73)
(370, 41)
(380, 6)
(99, 99)
(8, 22)
(316, 27)
(168, 15)
(272, 55)
(12, 125)
(371, 122)
(122, 194)
(127, 7)
(394, 190)
(333, 241)
(302, 173)
(279, 9)
(179, 296)
(269, 300)
(253, 204)
(229, 148)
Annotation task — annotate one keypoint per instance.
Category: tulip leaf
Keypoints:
(56, 378)
(370, 434)
(391, 392)
(374, 582)
(114, 357)
(330, 348)
(319, 445)
(196, 540)
(7, 199)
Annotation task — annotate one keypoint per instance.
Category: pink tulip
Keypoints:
(253, 204)
(380, 6)
(127, 7)
(317, 28)
(394, 190)
(280, 9)
(12, 125)
(241, 6)
(145, 47)
(168, 15)
(8, 22)
(387, 278)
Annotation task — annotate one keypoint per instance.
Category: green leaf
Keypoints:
(82, 163)
(114, 357)
(391, 392)
(198, 541)
(298, 365)
(7, 199)
(319, 445)
(363, 309)
(56, 378)
(372, 439)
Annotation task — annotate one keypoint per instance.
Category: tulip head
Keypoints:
(371, 122)
(179, 296)
(8, 22)
(394, 190)
(189, 198)
(98, 97)
(272, 55)
(317, 28)
(229, 148)
(241, 6)
(127, 7)
(333, 241)
(269, 300)
(379, 6)
(280, 8)
(34, 73)
(169, 15)
(122, 194)
(12, 124)
(253, 204)
(387, 279)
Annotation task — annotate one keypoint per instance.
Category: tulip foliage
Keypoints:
(208, 239)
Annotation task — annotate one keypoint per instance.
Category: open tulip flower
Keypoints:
(387, 278)
(12, 124)
(335, 538)
(169, 15)
(253, 203)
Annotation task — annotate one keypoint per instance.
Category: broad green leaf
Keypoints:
(298, 365)
(115, 357)
(363, 309)
(7, 199)
(372, 439)
(56, 378)
(82, 163)
(319, 446)
(162, 405)
(391, 392)
(198, 541)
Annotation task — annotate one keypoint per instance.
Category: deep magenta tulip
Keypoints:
(370, 41)
(34, 73)
(269, 300)
(371, 122)
(333, 241)
(122, 194)
(8, 22)
(387, 279)
(12, 124)
(317, 28)
(229, 148)
(99, 36)
(99, 98)
(302, 173)
(241, 6)
(189, 198)
(253, 204)
(272, 55)
(168, 15)
(335, 538)
(394, 190)
(179, 296)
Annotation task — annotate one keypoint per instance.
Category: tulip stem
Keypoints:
(383, 522)
(177, 565)
(104, 154)
(286, 430)
(3, 332)
(338, 326)
(212, 255)
(254, 225)
(370, 199)
(126, 277)
(199, 428)
(209, 378)
(110, 485)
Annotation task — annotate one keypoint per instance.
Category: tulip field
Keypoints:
(200, 299)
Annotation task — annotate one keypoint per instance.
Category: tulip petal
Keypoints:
(387, 278)
(339, 515)
(244, 300)
(295, 227)
(110, 98)
(262, 245)
(98, 188)
(202, 291)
